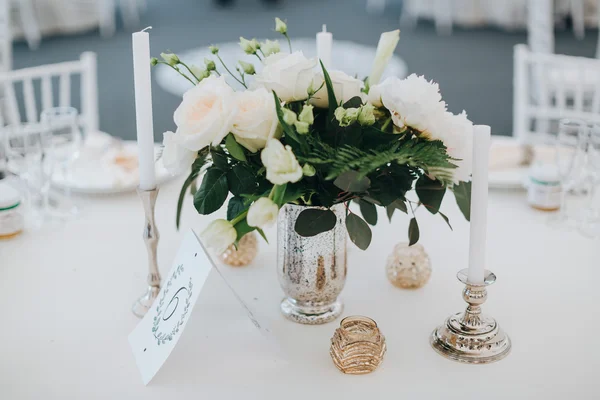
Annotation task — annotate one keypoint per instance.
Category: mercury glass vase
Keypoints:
(311, 270)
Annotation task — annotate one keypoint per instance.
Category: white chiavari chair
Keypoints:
(548, 87)
(5, 37)
(54, 83)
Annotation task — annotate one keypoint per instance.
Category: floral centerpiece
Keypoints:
(303, 135)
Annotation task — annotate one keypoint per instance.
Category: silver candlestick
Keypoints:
(470, 336)
(151, 236)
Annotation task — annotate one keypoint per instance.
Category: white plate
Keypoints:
(98, 175)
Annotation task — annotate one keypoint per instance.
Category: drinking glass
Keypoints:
(29, 154)
(62, 123)
(570, 144)
(590, 225)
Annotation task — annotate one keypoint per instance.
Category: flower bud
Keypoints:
(346, 116)
(306, 115)
(280, 26)
(153, 61)
(219, 235)
(214, 49)
(270, 47)
(248, 68)
(366, 115)
(262, 213)
(199, 73)
(249, 46)
(170, 58)
(308, 170)
(289, 117)
(302, 127)
(210, 64)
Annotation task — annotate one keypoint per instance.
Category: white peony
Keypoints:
(175, 157)
(413, 102)
(385, 49)
(345, 87)
(375, 92)
(281, 163)
(256, 120)
(219, 235)
(262, 213)
(456, 131)
(289, 75)
(206, 114)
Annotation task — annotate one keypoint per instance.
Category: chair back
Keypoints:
(5, 37)
(29, 91)
(548, 87)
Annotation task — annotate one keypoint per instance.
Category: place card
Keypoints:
(155, 337)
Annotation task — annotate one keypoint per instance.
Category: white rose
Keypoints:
(289, 75)
(175, 157)
(345, 87)
(256, 120)
(456, 132)
(206, 114)
(281, 163)
(385, 49)
(262, 213)
(414, 102)
(219, 235)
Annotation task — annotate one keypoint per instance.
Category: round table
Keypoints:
(66, 293)
(352, 58)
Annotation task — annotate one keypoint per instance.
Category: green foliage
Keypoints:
(241, 180)
(351, 181)
(368, 211)
(313, 221)
(462, 193)
(213, 192)
(359, 231)
(413, 231)
(234, 148)
(431, 193)
(235, 207)
(190, 181)
(330, 95)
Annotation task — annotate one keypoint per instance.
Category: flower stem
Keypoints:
(230, 73)
(239, 218)
(178, 71)
(188, 68)
(289, 42)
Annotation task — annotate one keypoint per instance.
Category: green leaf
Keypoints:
(242, 228)
(351, 181)
(431, 193)
(219, 159)
(235, 207)
(413, 231)
(190, 180)
(400, 205)
(313, 221)
(354, 102)
(359, 231)
(241, 180)
(446, 219)
(462, 193)
(390, 211)
(213, 191)
(293, 191)
(262, 233)
(368, 211)
(278, 194)
(287, 129)
(234, 148)
(333, 104)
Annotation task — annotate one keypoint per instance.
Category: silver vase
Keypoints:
(311, 270)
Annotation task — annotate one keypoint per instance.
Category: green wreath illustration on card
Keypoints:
(166, 310)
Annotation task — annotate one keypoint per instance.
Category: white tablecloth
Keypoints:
(66, 292)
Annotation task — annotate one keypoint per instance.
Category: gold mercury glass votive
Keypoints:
(245, 252)
(357, 346)
(408, 267)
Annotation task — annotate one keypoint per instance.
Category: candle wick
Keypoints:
(146, 28)
(324, 27)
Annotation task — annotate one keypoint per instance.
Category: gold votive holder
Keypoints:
(408, 267)
(357, 346)
(245, 253)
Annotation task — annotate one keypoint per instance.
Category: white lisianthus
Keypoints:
(249, 46)
(219, 235)
(385, 49)
(175, 157)
(206, 113)
(256, 119)
(289, 75)
(270, 47)
(281, 163)
(262, 213)
(456, 132)
(366, 115)
(414, 102)
(345, 87)
(280, 26)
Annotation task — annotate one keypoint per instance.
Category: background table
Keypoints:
(66, 293)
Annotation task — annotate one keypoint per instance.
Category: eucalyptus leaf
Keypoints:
(354, 102)
(431, 193)
(413, 232)
(400, 205)
(313, 221)
(234, 148)
(235, 207)
(351, 181)
(390, 211)
(446, 219)
(369, 212)
(212, 192)
(359, 231)
(462, 193)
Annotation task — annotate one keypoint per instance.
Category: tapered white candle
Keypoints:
(479, 202)
(324, 45)
(143, 109)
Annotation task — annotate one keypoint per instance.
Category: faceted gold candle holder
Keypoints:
(357, 346)
(244, 254)
(408, 267)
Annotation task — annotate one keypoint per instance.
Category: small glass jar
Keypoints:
(11, 212)
(543, 187)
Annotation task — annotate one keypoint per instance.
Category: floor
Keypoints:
(473, 67)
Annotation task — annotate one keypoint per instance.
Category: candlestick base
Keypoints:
(471, 337)
(143, 304)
